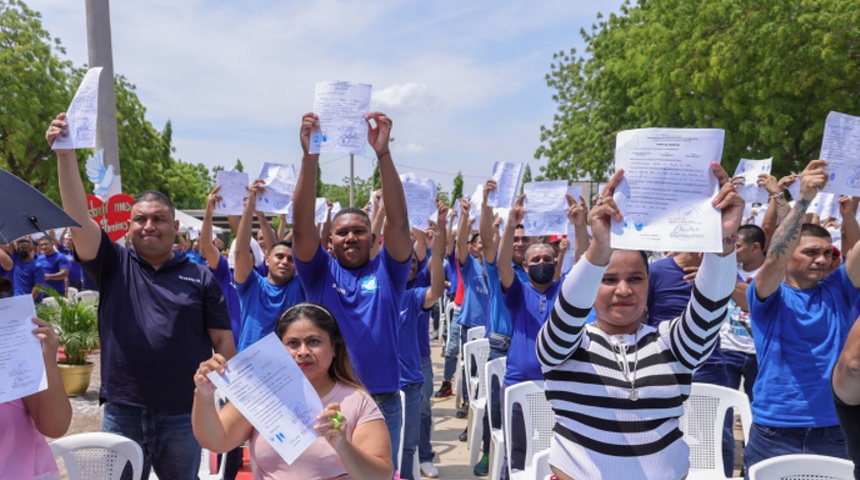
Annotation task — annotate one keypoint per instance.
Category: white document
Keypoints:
(667, 189)
(234, 189)
(841, 148)
(576, 193)
(754, 196)
(476, 200)
(546, 208)
(508, 177)
(270, 390)
(82, 114)
(321, 210)
(794, 189)
(22, 368)
(341, 108)
(420, 199)
(280, 183)
(336, 207)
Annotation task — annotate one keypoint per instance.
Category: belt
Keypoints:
(381, 398)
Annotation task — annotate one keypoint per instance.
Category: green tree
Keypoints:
(457, 192)
(33, 89)
(375, 181)
(767, 72)
(239, 166)
(527, 177)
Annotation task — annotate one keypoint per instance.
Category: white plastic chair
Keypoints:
(207, 464)
(539, 421)
(475, 333)
(71, 292)
(802, 467)
(541, 465)
(702, 424)
(98, 455)
(475, 354)
(87, 296)
(50, 302)
(494, 373)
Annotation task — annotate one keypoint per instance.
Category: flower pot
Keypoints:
(76, 378)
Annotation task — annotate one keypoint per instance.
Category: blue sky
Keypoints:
(463, 82)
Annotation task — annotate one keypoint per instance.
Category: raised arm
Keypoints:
(437, 258)
(216, 431)
(451, 237)
(306, 239)
(50, 409)
(376, 224)
(577, 215)
(244, 257)
(396, 228)
(464, 228)
(208, 250)
(506, 244)
(850, 227)
(282, 227)
(325, 234)
(777, 208)
(6, 261)
(785, 240)
(846, 375)
(488, 238)
(89, 236)
(269, 235)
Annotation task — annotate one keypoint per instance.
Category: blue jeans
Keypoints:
(412, 432)
(767, 442)
(392, 412)
(498, 349)
(739, 364)
(452, 349)
(167, 440)
(425, 449)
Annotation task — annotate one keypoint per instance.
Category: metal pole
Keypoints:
(351, 180)
(100, 55)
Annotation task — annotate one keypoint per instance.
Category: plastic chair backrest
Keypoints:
(50, 302)
(98, 455)
(209, 469)
(475, 333)
(402, 428)
(475, 354)
(702, 424)
(494, 373)
(802, 467)
(538, 417)
(71, 292)
(87, 296)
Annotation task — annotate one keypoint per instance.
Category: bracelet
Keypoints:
(379, 157)
(774, 196)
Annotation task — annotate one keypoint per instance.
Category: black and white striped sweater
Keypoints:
(600, 431)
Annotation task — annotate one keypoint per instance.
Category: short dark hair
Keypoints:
(473, 236)
(281, 243)
(813, 230)
(352, 211)
(751, 234)
(155, 196)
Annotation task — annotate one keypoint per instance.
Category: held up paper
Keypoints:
(841, 148)
(754, 196)
(420, 199)
(667, 189)
(270, 390)
(22, 368)
(546, 208)
(341, 108)
(508, 177)
(82, 114)
(280, 183)
(234, 188)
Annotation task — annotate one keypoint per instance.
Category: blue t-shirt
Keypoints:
(798, 336)
(262, 304)
(529, 310)
(668, 292)
(366, 304)
(500, 318)
(422, 279)
(521, 272)
(224, 277)
(450, 276)
(75, 271)
(196, 257)
(476, 295)
(53, 264)
(153, 326)
(411, 307)
(26, 275)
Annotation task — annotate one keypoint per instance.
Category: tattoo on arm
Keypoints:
(788, 230)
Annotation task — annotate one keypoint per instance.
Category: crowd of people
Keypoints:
(616, 336)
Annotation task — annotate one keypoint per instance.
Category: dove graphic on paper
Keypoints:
(101, 177)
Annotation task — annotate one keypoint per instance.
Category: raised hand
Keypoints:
(58, 127)
(215, 364)
(379, 135)
(213, 198)
(812, 179)
(310, 122)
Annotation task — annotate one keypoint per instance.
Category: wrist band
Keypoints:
(774, 196)
(379, 157)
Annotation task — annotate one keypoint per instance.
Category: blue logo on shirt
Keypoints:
(369, 284)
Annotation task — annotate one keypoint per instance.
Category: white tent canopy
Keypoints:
(187, 221)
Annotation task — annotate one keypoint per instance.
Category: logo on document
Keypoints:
(369, 284)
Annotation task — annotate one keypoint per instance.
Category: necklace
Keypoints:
(619, 350)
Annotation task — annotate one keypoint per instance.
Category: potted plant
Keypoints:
(77, 326)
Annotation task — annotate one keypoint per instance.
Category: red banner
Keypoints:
(114, 217)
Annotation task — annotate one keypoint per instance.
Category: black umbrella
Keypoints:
(24, 210)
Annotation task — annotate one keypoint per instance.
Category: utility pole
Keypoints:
(101, 55)
(351, 180)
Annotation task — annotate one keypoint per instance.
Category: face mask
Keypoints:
(541, 273)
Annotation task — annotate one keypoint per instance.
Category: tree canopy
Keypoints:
(766, 71)
(36, 85)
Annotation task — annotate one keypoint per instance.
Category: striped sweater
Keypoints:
(600, 432)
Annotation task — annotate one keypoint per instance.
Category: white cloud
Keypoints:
(409, 96)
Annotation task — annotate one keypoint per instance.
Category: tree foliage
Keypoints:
(457, 192)
(766, 71)
(36, 85)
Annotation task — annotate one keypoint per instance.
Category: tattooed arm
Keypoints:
(787, 235)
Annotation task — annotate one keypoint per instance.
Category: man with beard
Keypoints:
(28, 275)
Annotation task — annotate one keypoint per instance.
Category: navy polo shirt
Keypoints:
(153, 326)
